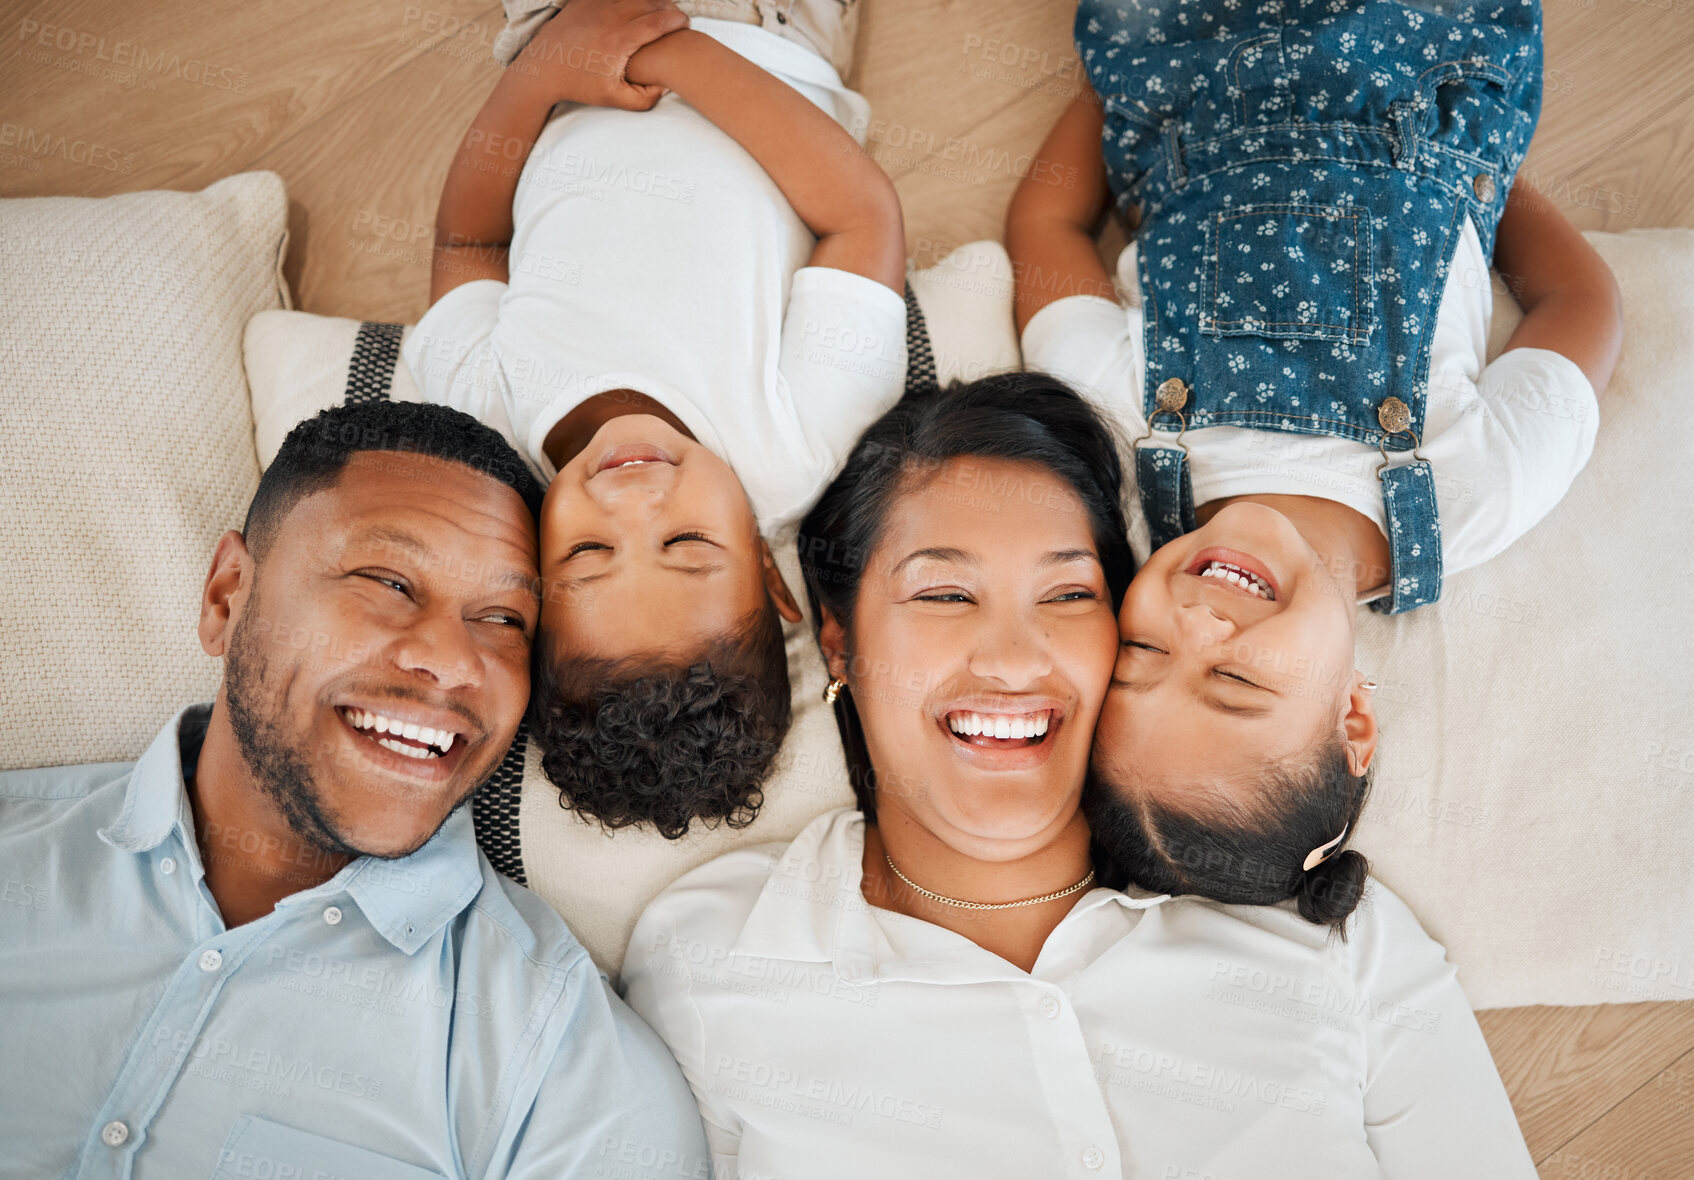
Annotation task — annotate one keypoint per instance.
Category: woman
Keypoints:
(938, 983)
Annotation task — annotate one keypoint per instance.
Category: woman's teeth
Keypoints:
(1000, 725)
(435, 742)
(1235, 575)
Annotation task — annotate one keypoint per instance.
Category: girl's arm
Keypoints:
(578, 56)
(1570, 300)
(842, 195)
(1050, 225)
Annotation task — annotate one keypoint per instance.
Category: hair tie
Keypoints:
(1321, 853)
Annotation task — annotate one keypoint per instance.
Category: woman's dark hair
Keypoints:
(1023, 417)
(1240, 855)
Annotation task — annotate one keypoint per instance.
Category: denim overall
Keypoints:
(1301, 169)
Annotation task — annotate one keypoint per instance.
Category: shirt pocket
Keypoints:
(1293, 271)
(258, 1149)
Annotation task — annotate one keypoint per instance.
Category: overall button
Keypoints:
(1483, 186)
(333, 915)
(1172, 394)
(1093, 1159)
(167, 866)
(1049, 1007)
(211, 961)
(114, 1134)
(1394, 415)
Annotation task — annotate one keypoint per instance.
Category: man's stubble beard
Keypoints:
(274, 760)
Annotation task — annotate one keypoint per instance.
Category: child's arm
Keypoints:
(1571, 303)
(578, 56)
(1050, 225)
(842, 195)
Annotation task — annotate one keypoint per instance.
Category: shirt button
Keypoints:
(167, 866)
(211, 961)
(333, 915)
(1483, 186)
(1049, 1007)
(1093, 1159)
(114, 1134)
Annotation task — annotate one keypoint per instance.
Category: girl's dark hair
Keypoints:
(1023, 417)
(1249, 856)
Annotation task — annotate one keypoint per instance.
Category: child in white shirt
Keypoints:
(683, 310)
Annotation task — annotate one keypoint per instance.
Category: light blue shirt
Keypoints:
(405, 1019)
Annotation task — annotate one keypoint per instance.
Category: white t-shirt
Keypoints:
(651, 252)
(1155, 1036)
(1505, 439)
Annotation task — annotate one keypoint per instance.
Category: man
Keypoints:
(270, 947)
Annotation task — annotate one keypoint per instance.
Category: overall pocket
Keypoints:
(1291, 271)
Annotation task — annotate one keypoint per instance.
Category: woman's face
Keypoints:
(1236, 654)
(982, 645)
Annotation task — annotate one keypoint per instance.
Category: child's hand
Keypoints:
(581, 54)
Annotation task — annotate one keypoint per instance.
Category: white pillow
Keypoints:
(126, 449)
(1534, 798)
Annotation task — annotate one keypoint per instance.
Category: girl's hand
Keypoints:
(582, 53)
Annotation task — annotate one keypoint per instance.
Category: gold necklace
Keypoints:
(984, 905)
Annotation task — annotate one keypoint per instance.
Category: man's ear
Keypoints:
(777, 586)
(832, 638)
(225, 592)
(1359, 725)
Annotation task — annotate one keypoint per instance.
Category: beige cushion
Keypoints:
(1534, 798)
(126, 449)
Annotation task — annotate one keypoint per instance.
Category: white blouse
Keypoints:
(1156, 1036)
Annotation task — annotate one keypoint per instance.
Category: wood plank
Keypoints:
(105, 97)
(364, 184)
(1566, 1067)
(1650, 1134)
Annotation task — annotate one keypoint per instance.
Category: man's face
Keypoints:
(649, 547)
(401, 599)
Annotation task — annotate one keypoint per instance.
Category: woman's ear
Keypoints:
(1359, 725)
(777, 586)
(832, 638)
(224, 593)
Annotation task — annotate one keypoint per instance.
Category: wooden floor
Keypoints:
(359, 105)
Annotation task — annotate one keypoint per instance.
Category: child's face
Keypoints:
(649, 548)
(1214, 682)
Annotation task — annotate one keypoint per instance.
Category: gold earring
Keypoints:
(832, 690)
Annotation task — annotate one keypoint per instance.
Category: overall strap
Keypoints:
(1414, 537)
(1414, 524)
(1161, 473)
(1167, 498)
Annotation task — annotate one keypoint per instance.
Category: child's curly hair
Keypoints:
(636, 741)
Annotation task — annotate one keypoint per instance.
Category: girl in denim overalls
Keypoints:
(1316, 189)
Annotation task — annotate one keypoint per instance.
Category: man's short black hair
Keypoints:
(311, 458)
(629, 742)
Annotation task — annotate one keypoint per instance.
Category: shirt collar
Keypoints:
(156, 801)
(407, 900)
(812, 907)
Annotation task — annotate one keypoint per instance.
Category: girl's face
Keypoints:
(1236, 654)
(981, 650)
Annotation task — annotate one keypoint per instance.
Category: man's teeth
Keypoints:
(439, 741)
(1235, 575)
(634, 462)
(1000, 725)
